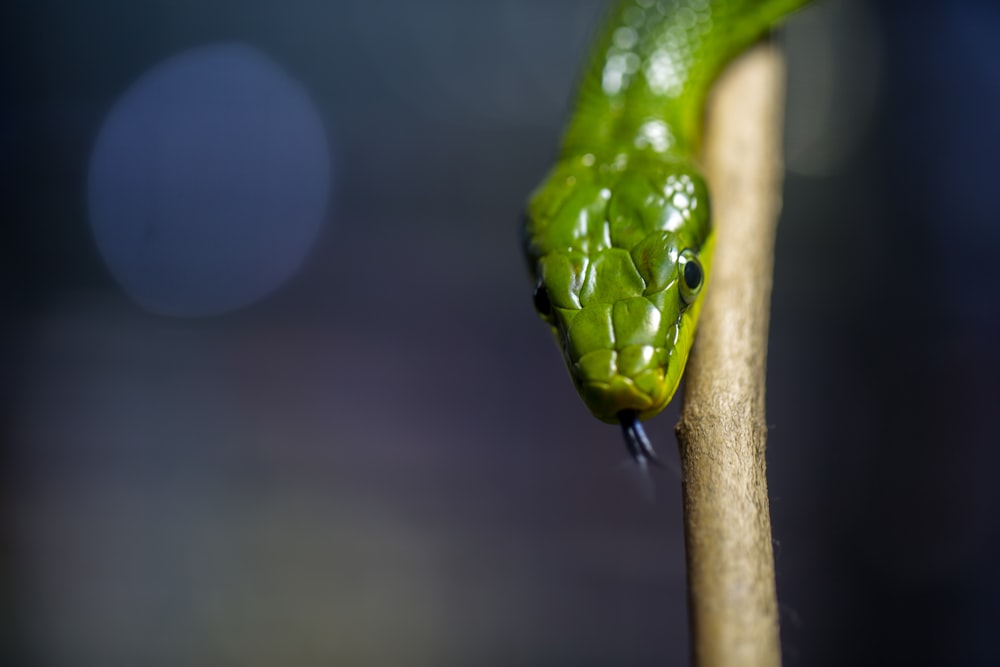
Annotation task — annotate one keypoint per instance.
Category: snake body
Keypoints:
(618, 236)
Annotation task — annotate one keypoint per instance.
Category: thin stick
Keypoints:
(722, 430)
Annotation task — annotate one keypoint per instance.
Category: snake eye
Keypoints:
(691, 274)
(541, 299)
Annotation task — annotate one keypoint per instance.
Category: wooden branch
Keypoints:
(722, 430)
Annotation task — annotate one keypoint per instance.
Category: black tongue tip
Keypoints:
(638, 445)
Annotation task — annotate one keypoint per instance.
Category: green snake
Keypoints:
(618, 236)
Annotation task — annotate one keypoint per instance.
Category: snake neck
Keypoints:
(645, 87)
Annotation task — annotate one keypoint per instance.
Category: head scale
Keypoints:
(620, 258)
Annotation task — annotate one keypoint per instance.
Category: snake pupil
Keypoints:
(541, 298)
(692, 275)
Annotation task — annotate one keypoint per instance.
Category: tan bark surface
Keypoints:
(722, 431)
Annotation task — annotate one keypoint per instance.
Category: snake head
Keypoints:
(620, 263)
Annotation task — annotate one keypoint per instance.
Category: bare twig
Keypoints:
(722, 430)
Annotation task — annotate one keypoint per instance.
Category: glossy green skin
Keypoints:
(604, 230)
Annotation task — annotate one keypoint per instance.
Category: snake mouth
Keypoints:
(608, 399)
(632, 379)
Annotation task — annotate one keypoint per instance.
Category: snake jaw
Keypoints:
(607, 399)
(636, 441)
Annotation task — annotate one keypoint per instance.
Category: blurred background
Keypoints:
(273, 391)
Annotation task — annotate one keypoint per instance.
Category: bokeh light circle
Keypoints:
(209, 181)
